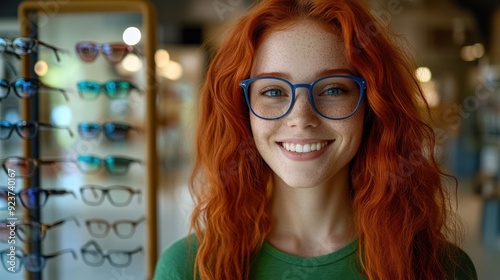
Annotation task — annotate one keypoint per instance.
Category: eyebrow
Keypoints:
(322, 73)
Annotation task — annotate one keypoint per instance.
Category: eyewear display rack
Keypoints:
(29, 108)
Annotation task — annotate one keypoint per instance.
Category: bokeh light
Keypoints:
(132, 36)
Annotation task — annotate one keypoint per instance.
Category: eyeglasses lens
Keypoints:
(117, 89)
(87, 51)
(33, 263)
(30, 232)
(25, 88)
(33, 198)
(88, 164)
(117, 166)
(114, 53)
(4, 196)
(5, 261)
(98, 228)
(23, 46)
(5, 130)
(119, 259)
(124, 229)
(4, 229)
(88, 89)
(4, 89)
(3, 45)
(119, 196)
(89, 130)
(22, 167)
(92, 257)
(116, 132)
(26, 129)
(92, 195)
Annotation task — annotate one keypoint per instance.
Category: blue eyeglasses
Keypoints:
(114, 131)
(333, 97)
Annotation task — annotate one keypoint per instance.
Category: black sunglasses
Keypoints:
(26, 129)
(26, 88)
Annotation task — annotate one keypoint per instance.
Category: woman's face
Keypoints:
(303, 53)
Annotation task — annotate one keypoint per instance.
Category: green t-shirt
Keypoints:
(177, 263)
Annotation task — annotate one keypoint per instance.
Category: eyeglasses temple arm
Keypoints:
(49, 192)
(139, 249)
(139, 195)
(57, 127)
(63, 221)
(55, 49)
(92, 243)
(63, 91)
(60, 253)
(12, 67)
(140, 220)
(14, 54)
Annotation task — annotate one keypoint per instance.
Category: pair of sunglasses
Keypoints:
(112, 52)
(90, 164)
(26, 88)
(26, 46)
(113, 131)
(115, 89)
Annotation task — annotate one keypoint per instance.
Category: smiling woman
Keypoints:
(313, 159)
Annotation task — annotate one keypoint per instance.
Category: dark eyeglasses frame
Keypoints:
(38, 230)
(18, 126)
(21, 259)
(33, 81)
(35, 191)
(8, 45)
(106, 128)
(106, 192)
(115, 226)
(34, 162)
(106, 49)
(245, 84)
(85, 250)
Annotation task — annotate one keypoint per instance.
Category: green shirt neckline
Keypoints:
(333, 257)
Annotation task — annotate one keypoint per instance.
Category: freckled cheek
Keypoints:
(262, 129)
(352, 127)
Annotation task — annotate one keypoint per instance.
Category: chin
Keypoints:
(300, 183)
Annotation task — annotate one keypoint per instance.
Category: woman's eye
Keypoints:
(334, 91)
(272, 92)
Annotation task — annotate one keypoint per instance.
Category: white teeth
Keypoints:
(306, 148)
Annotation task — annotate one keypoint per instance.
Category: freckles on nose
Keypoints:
(302, 104)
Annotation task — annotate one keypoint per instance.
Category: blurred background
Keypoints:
(456, 44)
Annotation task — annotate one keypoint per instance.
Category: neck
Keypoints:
(312, 221)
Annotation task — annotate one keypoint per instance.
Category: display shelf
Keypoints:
(34, 17)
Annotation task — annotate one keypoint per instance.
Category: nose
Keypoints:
(302, 115)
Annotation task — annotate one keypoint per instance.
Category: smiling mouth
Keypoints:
(304, 148)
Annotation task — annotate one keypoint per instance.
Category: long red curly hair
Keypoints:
(401, 208)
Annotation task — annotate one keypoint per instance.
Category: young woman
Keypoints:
(313, 160)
